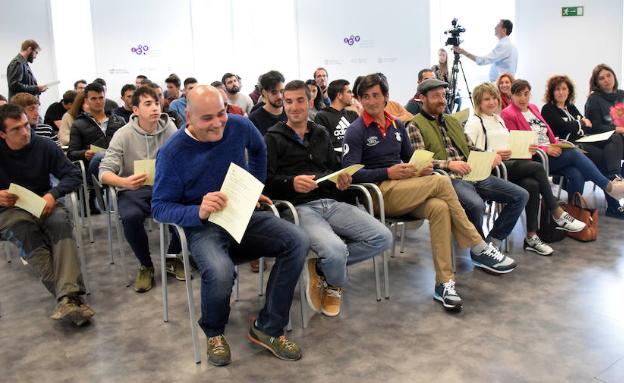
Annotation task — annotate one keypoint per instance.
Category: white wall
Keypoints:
(28, 19)
(394, 39)
(549, 44)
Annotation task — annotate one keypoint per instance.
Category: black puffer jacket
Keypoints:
(287, 158)
(85, 132)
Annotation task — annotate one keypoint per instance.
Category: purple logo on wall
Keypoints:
(140, 49)
(351, 40)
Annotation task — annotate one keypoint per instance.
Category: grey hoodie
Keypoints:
(131, 143)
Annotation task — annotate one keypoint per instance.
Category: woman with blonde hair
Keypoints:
(503, 84)
(487, 129)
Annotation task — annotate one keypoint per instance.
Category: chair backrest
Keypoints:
(99, 194)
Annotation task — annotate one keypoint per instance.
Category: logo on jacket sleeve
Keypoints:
(398, 136)
(372, 141)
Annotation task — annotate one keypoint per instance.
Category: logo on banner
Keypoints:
(351, 40)
(140, 49)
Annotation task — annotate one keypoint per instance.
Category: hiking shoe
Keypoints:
(568, 223)
(279, 346)
(314, 285)
(219, 351)
(537, 245)
(332, 297)
(491, 259)
(447, 295)
(73, 309)
(144, 279)
(175, 267)
(616, 213)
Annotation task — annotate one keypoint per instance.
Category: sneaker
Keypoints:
(144, 279)
(568, 223)
(73, 309)
(279, 346)
(446, 293)
(491, 259)
(616, 213)
(537, 245)
(332, 297)
(175, 267)
(219, 351)
(314, 285)
(617, 189)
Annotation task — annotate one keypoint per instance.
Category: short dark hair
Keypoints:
(356, 85)
(145, 91)
(372, 80)
(335, 88)
(94, 87)
(269, 80)
(12, 111)
(79, 82)
(297, 85)
(593, 80)
(228, 75)
(173, 79)
(69, 97)
(30, 43)
(216, 84)
(318, 69)
(190, 80)
(508, 25)
(519, 85)
(127, 87)
(141, 76)
(100, 81)
(153, 85)
(422, 72)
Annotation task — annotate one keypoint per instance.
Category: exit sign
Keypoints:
(571, 11)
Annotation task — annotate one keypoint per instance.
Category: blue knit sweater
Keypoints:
(187, 169)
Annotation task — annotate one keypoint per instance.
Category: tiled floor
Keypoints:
(555, 319)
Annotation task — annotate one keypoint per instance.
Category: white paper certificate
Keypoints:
(596, 137)
(27, 200)
(243, 191)
(519, 142)
(334, 176)
(480, 166)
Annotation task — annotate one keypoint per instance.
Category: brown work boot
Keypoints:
(71, 308)
(314, 285)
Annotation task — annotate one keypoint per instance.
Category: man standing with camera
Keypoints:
(504, 56)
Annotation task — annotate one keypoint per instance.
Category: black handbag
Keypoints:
(548, 230)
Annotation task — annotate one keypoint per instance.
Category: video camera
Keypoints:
(455, 31)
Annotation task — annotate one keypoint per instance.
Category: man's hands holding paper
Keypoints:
(134, 181)
(401, 171)
(7, 199)
(504, 154)
(50, 204)
(212, 202)
(459, 167)
(304, 183)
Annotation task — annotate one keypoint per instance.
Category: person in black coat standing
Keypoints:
(19, 76)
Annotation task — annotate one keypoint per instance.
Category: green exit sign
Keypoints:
(571, 11)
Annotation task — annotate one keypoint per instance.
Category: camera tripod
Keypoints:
(450, 97)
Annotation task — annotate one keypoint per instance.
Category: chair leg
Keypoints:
(189, 296)
(303, 301)
(386, 275)
(78, 235)
(88, 216)
(260, 277)
(402, 247)
(393, 229)
(163, 272)
(377, 284)
(7, 252)
(109, 226)
(236, 285)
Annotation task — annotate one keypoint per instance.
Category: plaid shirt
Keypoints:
(452, 153)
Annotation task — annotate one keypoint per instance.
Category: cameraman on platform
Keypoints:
(504, 56)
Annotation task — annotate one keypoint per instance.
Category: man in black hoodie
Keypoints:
(300, 151)
(335, 118)
(46, 242)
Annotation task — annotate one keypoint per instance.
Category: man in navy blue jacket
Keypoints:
(190, 169)
(45, 242)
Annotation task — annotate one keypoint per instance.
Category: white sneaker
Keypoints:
(568, 223)
(537, 245)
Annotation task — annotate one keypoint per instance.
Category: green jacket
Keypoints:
(430, 131)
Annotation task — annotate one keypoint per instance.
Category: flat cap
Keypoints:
(429, 84)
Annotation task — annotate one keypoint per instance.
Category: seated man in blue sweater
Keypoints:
(45, 242)
(190, 169)
(380, 142)
(299, 152)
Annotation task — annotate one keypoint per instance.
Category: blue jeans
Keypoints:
(472, 195)
(577, 168)
(93, 167)
(215, 253)
(330, 224)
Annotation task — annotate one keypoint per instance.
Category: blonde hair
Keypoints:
(479, 92)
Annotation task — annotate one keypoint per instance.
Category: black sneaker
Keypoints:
(447, 295)
(492, 260)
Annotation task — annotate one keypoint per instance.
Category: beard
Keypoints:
(31, 57)
(233, 90)
(277, 104)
